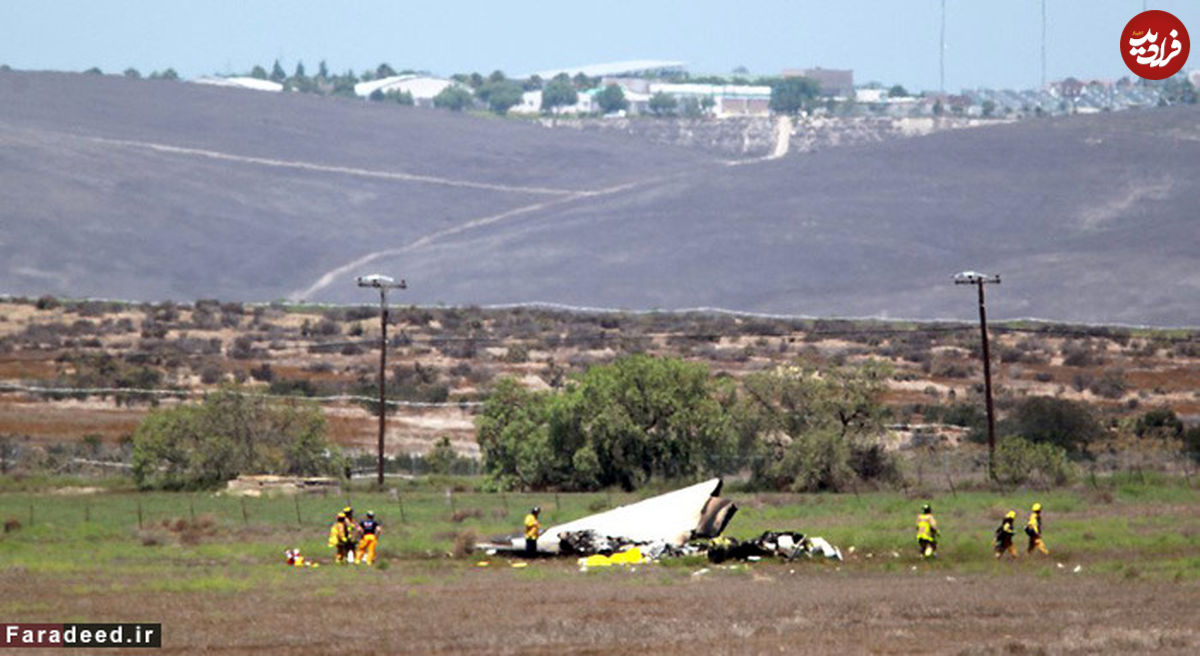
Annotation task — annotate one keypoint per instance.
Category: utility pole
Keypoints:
(979, 280)
(382, 283)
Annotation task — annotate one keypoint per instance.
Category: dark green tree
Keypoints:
(1067, 424)
(815, 429)
(401, 98)
(384, 70)
(662, 104)
(789, 95)
(322, 70)
(199, 446)
(623, 423)
(559, 92)
(258, 72)
(132, 73)
(500, 95)
(277, 74)
(454, 98)
(611, 99)
(299, 74)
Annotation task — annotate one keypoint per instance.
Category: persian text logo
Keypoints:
(1155, 45)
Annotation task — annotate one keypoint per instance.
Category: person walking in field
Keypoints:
(1004, 536)
(533, 529)
(927, 532)
(371, 530)
(1034, 528)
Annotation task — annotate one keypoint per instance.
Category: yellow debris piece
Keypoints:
(520, 565)
(630, 556)
(482, 563)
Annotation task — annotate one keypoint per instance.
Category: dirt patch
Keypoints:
(547, 609)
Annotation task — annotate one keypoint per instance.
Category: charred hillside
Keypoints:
(150, 189)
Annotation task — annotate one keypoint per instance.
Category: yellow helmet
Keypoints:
(1012, 514)
(341, 515)
(1037, 507)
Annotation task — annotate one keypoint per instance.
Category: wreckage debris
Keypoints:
(696, 511)
(788, 545)
(684, 522)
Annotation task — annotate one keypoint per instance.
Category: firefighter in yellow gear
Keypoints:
(351, 533)
(533, 529)
(1034, 528)
(927, 532)
(1004, 536)
(371, 530)
(341, 538)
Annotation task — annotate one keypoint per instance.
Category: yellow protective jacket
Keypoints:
(532, 527)
(926, 527)
(1034, 527)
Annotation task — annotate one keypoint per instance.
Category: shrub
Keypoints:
(1111, 385)
(442, 456)
(229, 433)
(1045, 419)
(1019, 461)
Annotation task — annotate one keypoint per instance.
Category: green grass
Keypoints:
(1130, 529)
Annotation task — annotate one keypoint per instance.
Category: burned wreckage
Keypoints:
(686, 521)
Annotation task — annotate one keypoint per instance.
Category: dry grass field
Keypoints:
(221, 585)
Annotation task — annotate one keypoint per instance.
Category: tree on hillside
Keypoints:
(401, 97)
(199, 446)
(559, 92)
(132, 73)
(791, 94)
(258, 72)
(583, 82)
(299, 74)
(818, 429)
(454, 98)
(612, 99)
(277, 74)
(500, 95)
(663, 103)
(322, 70)
(384, 70)
(898, 91)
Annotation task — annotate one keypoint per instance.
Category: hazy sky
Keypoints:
(988, 44)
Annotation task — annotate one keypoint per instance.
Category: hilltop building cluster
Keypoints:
(664, 87)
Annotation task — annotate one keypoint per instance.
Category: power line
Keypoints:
(335, 398)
